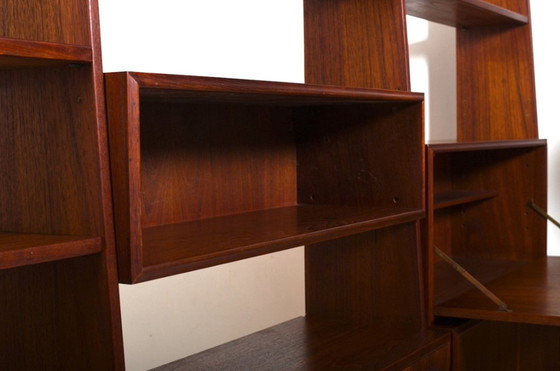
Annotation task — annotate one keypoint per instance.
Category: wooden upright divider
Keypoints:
(59, 301)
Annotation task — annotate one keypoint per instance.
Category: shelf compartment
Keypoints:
(15, 53)
(310, 344)
(465, 13)
(531, 291)
(460, 197)
(192, 153)
(176, 248)
(18, 249)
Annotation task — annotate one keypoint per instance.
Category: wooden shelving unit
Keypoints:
(257, 166)
(60, 307)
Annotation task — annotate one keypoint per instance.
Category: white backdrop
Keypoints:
(170, 318)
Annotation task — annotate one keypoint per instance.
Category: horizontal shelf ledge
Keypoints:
(20, 249)
(531, 291)
(177, 248)
(222, 90)
(464, 13)
(452, 147)
(316, 345)
(16, 53)
(460, 197)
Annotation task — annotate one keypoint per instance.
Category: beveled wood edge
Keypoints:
(42, 50)
(49, 252)
(194, 263)
(471, 146)
(155, 81)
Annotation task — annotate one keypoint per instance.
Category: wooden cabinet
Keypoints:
(59, 307)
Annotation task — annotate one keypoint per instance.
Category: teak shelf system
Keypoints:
(58, 283)
(206, 171)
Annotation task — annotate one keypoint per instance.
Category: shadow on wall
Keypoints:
(433, 71)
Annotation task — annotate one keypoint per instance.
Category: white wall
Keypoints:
(170, 318)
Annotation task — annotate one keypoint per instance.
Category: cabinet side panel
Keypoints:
(496, 84)
(366, 279)
(57, 21)
(356, 43)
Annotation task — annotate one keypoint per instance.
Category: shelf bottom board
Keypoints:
(531, 291)
(315, 345)
(177, 248)
(20, 249)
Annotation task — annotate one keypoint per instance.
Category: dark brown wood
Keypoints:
(173, 248)
(356, 43)
(495, 84)
(55, 201)
(532, 293)
(438, 360)
(193, 156)
(466, 13)
(309, 344)
(16, 53)
(354, 279)
(55, 21)
(460, 197)
(18, 249)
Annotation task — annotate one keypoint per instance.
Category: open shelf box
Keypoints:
(496, 236)
(209, 170)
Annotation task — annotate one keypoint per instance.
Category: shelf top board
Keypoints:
(317, 345)
(20, 249)
(16, 53)
(450, 147)
(464, 13)
(177, 248)
(211, 89)
(531, 291)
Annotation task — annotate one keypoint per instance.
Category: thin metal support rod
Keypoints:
(469, 277)
(543, 213)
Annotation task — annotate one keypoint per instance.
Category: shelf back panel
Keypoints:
(57, 21)
(495, 84)
(356, 43)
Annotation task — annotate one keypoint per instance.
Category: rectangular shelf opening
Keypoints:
(492, 233)
(286, 164)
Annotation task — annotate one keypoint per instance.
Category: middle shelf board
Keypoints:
(319, 345)
(188, 150)
(531, 290)
(177, 248)
(466, 13)
(16, 53)
(21, 249)
(460, 197)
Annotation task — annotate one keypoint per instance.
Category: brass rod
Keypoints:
(543, 213)
(469, 277)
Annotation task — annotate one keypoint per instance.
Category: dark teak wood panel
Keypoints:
(356, 43)
(495, 84)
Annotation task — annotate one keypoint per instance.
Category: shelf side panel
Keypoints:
(57, 21)
(356, 43)
(496, 84)
(366, 279)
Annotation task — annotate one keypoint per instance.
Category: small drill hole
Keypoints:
(312, 197)
(396, 200)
